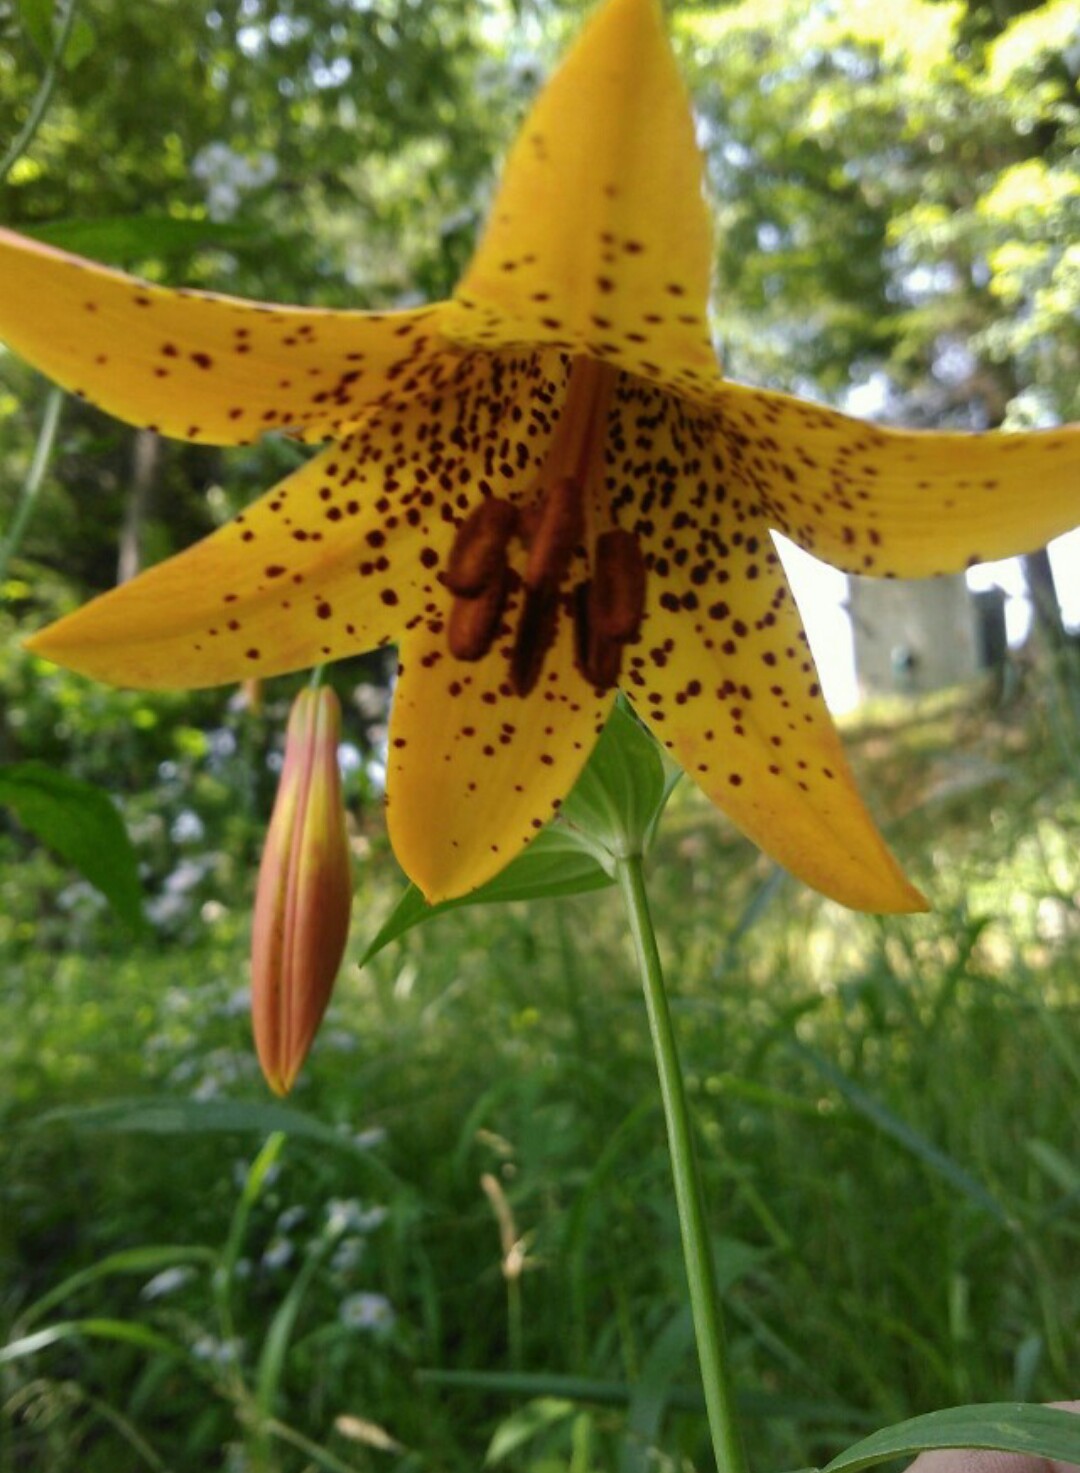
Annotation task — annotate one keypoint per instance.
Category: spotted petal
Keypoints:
(321, 567)
(474, 772)
(723, 674)
(201, 367)
(599, 239)
(890, 503)
(343, 555)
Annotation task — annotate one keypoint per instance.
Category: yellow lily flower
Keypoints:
(540, 489)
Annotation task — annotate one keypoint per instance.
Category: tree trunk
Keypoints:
(145, 455)
(1046, 606)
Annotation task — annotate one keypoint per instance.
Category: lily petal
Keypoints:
(213, 369)
(900, 504)
(475, 772)
(599, 240)
(343, 555)
(322, 566)
(723, 674)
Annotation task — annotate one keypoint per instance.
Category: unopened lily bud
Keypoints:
(304, 894)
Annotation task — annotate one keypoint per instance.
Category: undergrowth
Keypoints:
(480, 1254)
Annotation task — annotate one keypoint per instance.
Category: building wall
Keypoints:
(919, 635)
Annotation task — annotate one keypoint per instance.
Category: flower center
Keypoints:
(542, 536)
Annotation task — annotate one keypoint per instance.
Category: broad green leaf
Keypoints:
(617, 802)
(554, 864)
(80, 43)
(80, 823)
(125, 239)
(37, 20)
(1013, 1427)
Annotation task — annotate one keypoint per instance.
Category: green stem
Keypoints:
(689, 1200)
(32, 485)
(25, 135)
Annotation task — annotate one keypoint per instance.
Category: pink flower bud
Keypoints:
(304, 894)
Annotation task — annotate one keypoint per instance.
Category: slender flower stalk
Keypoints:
(303, 898)
(720, 1403)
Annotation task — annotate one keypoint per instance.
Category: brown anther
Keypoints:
(474, 622)
(597, 656)
(478, 555)
(535, 636)
(558, 532)
(617, 599)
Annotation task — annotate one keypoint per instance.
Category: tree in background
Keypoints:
(896, 189)
(899, 199)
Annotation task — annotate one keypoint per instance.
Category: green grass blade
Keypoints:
(130, 1261)
(883, 1119)
(581, 1389)
(278, 1337)
(94, 1329)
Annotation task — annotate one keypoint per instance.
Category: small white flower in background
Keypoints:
(347, 1256)
(367, 1140)
(367, 1312)
(278, 1254)
(291, 1217)
(347, 1215)
(216, 1352)
(166, 1282)
(373, 1218)
(228, 175)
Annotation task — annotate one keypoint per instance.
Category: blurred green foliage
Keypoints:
(887, 1114)
(896, 195)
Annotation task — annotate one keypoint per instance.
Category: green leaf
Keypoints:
(617, 802)
(95, 1329)
(79, 822)
(1041, 1432)
(278, 1337)
(80, 43)
(554, 864)
(522, 1426)
(757, 1404)
(37, 20)
(146, 1260)
(122, 239)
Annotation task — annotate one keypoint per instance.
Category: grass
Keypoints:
(887, 1114)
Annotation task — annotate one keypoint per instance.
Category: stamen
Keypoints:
(597, 656)
(474, 622)
(535, 636)
(549, 522)
(617, 600)
(562, 522)
(478, 555)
